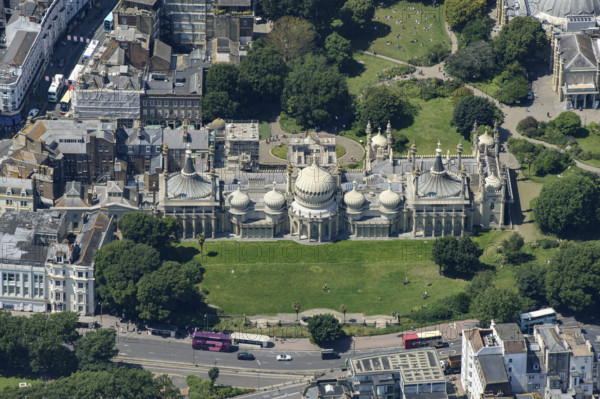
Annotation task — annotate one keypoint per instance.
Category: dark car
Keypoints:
(245, 356)
(329, 354)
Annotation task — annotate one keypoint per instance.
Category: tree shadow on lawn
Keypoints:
(363, 38)
(186, 254)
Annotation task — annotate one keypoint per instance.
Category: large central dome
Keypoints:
(314, 187)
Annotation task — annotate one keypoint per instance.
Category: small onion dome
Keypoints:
(486, 139)
(379, 140)
(218, 124)
(416, 170)
(274, 199)
(413, 146)
(239, 199)
(354, 199)
(389, 199)
(492, 181)
(165, 148)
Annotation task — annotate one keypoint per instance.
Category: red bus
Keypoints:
(211, 341)
(421, 339)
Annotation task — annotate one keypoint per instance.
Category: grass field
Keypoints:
(397, 34)
(289, 125)
(432, 123)
(264, 130)
(6, 382)
(267, 277)
(368, 67)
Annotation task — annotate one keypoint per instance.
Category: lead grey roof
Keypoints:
(578, 51)
(188, 184)
(562, 8)
(438, 183)
(197, 139)
(492, 368)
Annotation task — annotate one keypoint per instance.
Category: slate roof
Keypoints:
(188, 184)
(493, 369)
(90, 237)
(562, 8)
(578, 51)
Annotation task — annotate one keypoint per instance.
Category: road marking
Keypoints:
(151, 353)
(125, 345)
(287, 394)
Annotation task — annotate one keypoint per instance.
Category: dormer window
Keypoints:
(59, 259)
(22, 193)
(8, 191)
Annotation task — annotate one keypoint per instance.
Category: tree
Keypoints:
(475, 62)
(201, 240)
(218, 104)
(223, 77)
(338, 51)
(382, 104)
(213, 374)
(459, 12)
(343, 309)
(356, 14)
(499, 304)
(293, 37)
(568, 123)
(480, 283)
(470, 110)
(568, 206)
(296, 306)
(456, 256)
(529, 127)
(530, 280)
(324, 328)
(143, 228)
(528, 159)
(550, 160)
(459, 94)
(318, 12)
(264, 71)
(573, 277)
(475, 30)
(169, 289)
(513, 84)
(95, 350)
(522, 39)
(314, 92)
(511, 248)
(119, 265)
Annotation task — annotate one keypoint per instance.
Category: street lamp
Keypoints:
(258, 375)
(353, 347)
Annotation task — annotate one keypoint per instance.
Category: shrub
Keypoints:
(546, 243)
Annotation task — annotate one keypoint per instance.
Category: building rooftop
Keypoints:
(91, 236)
(180, 81)
(25, 235)
(417, 365)
(537, 313)
(549, 334)
(577, 342)
(242, 132)
(20, 35)
(493, 369)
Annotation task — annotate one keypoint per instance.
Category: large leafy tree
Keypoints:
(314, 92)
(264, 70)
(502, 305)
(530, 280)
(324, 328)
(568, 123)
(573, 277)
(143, 228)
(568, 206)
(513, 84)
(522, 39)
(95, 349)
(470, 110)
(170, 288)
(456, 256)
(357, 13)
(476, 30)
(338, 51)
(223, 77)
(474, 62)
(119, 265)
(293, 37)
(218, 104)
(380, 104)
(320, 13)
(459, 12)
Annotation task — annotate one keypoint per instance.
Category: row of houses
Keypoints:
(556, 362)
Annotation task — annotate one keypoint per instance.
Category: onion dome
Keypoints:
(218, 124)
(239, 200)
(486, 139)
(314, 186)
(389, 199)
(274, 199)
(379, 140)
(354, 199)
(188, 183)
(492, 181)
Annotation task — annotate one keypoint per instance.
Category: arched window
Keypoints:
(492, 205)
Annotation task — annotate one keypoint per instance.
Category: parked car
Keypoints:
(529, 95)
(33, 112)
(284, 358)
(260, 20)
(245, 356)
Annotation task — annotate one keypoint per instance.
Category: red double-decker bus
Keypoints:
(426, 338)
(215, 342)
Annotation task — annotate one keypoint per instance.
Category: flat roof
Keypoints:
(415, 365)
(493, 369)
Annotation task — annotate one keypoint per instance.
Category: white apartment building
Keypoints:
(30, 37)
(40, 270)
(514, 354)
(189, 22)
(17, 194)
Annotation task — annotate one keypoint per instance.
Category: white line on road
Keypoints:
(287, 394)
(151, 353)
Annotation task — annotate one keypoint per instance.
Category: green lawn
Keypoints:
(368, 67)
(264, 130)
(413, 40)
(432, 124)
(267, 277)
(289, 124)
(6, 382)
